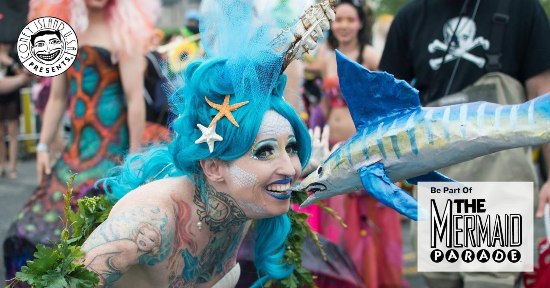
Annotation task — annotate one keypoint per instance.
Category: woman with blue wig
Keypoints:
(183, 209)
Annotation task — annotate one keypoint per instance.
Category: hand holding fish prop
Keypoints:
(397, 139)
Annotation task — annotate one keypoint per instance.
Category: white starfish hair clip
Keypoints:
(224, 110)
(209, 136)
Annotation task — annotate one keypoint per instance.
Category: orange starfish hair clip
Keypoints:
(224, 110)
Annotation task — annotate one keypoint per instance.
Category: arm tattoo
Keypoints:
(137, 236)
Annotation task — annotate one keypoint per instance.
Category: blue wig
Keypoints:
(247, 70)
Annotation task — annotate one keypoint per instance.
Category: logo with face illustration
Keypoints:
(47, 46)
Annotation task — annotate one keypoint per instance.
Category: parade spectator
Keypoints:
(40, 93)
(10, 109)
(444, 46)
(105, 88)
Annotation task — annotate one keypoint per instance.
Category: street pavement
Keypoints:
(14, 193)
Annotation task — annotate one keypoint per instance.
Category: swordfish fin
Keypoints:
(373, 96)
(376, 183)
(433, 176)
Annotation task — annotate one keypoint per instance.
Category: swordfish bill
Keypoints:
(397, 139)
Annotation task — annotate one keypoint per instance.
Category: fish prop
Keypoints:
(397, 139)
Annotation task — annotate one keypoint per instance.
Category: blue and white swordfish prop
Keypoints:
(397, 139)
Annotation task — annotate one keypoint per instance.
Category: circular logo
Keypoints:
(468, 255)
(47, 46)
(514, 256)
(451, 255)
(483, 255)
(499, 255)
(436, 255)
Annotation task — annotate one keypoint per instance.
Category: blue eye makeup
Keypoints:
(266, 149)
(292, 146)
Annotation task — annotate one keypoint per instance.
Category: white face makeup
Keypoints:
(260, 180)
(242, 178)
(252, 207)
(275, 124)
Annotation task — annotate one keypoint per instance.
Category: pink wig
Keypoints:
(131, 21)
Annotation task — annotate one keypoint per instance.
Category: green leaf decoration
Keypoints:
(61, 265)
(300, 277)
(298, 197)
(92, 211)
(299, 230)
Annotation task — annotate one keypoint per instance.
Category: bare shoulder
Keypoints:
(140, 235)
(328, 61)
(97, 35)
(156, 193)
(371, 57)
(316, 63)
(139, 231)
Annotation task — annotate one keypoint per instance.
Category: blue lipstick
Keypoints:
(283, 181)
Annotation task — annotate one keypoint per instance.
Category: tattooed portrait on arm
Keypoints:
(127, 240)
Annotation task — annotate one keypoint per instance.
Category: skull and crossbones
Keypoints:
(460, 48)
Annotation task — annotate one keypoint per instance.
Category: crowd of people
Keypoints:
(220, 133)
